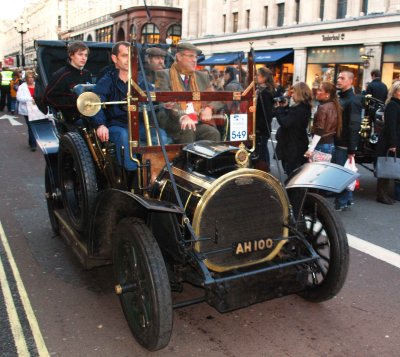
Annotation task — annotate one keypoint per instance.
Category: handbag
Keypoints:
(387, 167)
(319, 156)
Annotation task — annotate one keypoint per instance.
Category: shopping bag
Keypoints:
(34, 113)
(387, 167)
(351, 165)
(319, 156)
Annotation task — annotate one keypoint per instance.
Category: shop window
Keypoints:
(150, 33)
(174, 33)
(281, 14)
(266, 16)
(341, 9)
(235, 16)
(321, 9)
(104, 34)
(390, 73)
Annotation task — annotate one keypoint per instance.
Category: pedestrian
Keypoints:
(216, 80)
(231, 80)
(389, 140)
(24, 95)
(376, 87)
(188, 121)
(59, 93)
(292, 137)
(346, 144)
(327, 122)
(264, 108)
(14, 84)
(5, 100)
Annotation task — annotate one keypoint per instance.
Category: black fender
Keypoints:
(322, 176)
(110, 207)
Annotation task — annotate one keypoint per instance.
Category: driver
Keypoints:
(187, 122)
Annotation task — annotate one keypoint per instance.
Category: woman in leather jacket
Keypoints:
(292, 138)
(327, 120)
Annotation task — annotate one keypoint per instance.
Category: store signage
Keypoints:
(333, 37)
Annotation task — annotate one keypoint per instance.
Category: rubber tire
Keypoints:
(338, 250)
(133, 238)
(78, 182)
(53, 203)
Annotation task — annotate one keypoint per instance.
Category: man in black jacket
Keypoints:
(346, 144)
(59, 92)
(377, 88)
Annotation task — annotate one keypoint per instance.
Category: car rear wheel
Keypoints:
(78, 180)
(143, 284)
(325, 232)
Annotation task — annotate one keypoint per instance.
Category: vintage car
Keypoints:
(196, 213)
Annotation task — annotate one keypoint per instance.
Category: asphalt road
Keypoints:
(78, 314)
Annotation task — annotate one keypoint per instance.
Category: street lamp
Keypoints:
(22, 28)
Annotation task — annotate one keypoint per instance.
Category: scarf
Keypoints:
(177, 85)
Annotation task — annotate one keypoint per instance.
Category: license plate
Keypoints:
(252, 246)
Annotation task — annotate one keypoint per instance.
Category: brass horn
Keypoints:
(89, 103)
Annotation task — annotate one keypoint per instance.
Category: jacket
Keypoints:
(377, 89)
(390, 134)
(111, 88)
(59, 93)
(325, 122)
(23, 96)
(292, 138)
(265, 101)
(351, 121)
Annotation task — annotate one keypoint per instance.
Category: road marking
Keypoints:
(374, 250)
(15, 323)
(11, 119)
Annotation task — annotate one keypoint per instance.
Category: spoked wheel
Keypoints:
(143, 285)
(77, 179)
(325, 232)
(53, 199)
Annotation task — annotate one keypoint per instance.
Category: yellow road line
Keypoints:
(40, 345)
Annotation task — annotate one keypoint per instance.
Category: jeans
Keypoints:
(13, 104)
(31, 137)
(326, 148)
(343, 198)
(119, 136)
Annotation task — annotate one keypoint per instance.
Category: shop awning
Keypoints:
(222, 58)
(269, 56)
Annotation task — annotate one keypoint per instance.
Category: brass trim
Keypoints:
(242, 156)
(196, 96)
(153, 96)
(215, 186)
(191, 178)
(147, 125)
(132, 108)
(237, 95)
(137, 88)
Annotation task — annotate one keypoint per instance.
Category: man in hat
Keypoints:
(153, 61)
(187, 122)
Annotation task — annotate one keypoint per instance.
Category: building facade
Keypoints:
(301, 40)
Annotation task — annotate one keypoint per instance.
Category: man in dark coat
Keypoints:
(346, 144)
(376, 87)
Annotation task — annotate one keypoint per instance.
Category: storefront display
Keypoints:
(391, 63)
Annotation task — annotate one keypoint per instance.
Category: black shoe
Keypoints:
(339, 208)
(350, 203)
(33, 149)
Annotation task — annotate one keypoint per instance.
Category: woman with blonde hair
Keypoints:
(292, 138)
(389, 141)
(24, 95)
(327, 120)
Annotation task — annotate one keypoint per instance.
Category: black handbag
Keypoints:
(387, 167)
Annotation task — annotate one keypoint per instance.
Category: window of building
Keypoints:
(248, 19)
(341, 9)
(321, 9)
(77, 37)
(132, 32)
(150, 33)
(281, 14)
(104, 34)
(224, 23)
(297, 11)
(59, 21)
(364, 7)
(235, 16)
(174, 33)
(266, 16)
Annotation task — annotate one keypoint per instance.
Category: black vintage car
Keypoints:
(195, 213)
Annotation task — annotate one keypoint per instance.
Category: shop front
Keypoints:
(391, 63)
(325, 63)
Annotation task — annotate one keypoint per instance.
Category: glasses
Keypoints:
(190, 56)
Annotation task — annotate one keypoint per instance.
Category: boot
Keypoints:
(262, 165)
(382, 195)
(397, 190)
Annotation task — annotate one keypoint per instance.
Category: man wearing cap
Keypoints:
(187, 122)
(153, 61)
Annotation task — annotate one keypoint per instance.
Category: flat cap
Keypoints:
(186, 46)
(155, 51)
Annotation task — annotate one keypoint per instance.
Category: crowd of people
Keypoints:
(335, 126)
